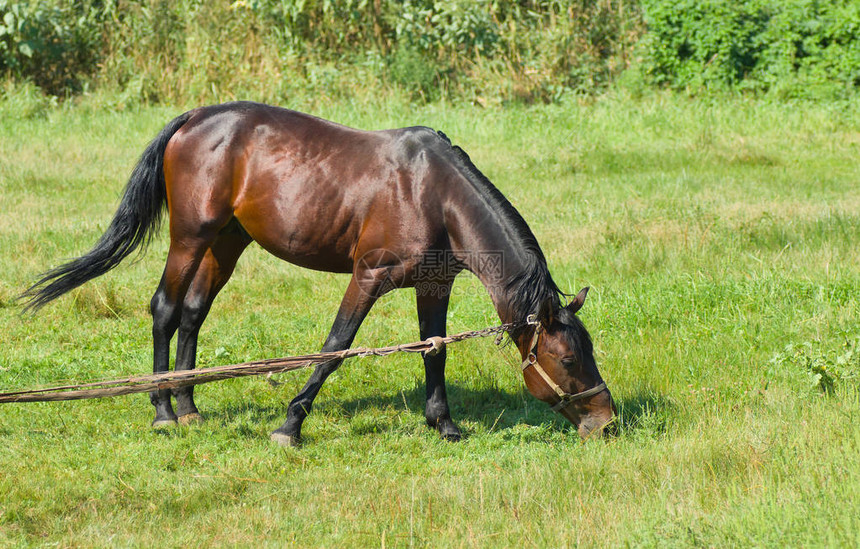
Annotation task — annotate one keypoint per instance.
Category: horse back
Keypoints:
(312, 192)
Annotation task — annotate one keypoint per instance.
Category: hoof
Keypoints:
(446, 429)
(285, 440)
(451, 437)
(193, 418)
(163, 423)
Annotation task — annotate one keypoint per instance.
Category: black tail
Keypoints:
(134, 223)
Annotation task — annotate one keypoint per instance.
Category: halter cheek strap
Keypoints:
(565, 398)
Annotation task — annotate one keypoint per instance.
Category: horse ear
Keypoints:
(545, 313)
(578, 301)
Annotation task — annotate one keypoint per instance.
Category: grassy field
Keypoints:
(721, 240)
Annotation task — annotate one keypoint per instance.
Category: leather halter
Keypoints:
(565, 398)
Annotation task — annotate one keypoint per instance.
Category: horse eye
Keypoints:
(569, 361)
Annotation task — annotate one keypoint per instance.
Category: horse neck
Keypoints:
(496, 267)
(497, 277)
(499, 250)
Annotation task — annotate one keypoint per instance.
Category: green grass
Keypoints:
(721, 239)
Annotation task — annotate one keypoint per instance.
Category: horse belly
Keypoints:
(306, 251)
(304, 227)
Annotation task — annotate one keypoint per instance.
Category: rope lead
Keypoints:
(184, 378)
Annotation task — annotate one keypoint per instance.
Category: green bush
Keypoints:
(191, 51)
(528, 49)
(194, 51)
(416, 73)
(813, 48)
(53, 44)
(795, 47)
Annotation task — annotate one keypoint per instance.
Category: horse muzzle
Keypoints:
(595, 417)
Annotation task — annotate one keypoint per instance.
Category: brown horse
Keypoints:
(396, 208)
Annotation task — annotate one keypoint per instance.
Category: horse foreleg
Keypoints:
(432, 321)
(212, 274)
(356, 303)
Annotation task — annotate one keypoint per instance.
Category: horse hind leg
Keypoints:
(165, 321)
(183, 260)
(214, 271)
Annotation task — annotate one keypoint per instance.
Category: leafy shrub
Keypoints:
(189, 51)
(792, 46)
(812, 48)
(192, 51)
(53, 44)
(467, 28)
(416, 73)
(692, 42)
(529, 49)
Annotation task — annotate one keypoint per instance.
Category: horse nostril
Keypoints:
(611, 428)
(591, 428)
(597, 425)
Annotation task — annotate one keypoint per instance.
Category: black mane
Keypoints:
(531, 287)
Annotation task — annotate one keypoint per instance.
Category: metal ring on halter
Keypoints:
(531, 360)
